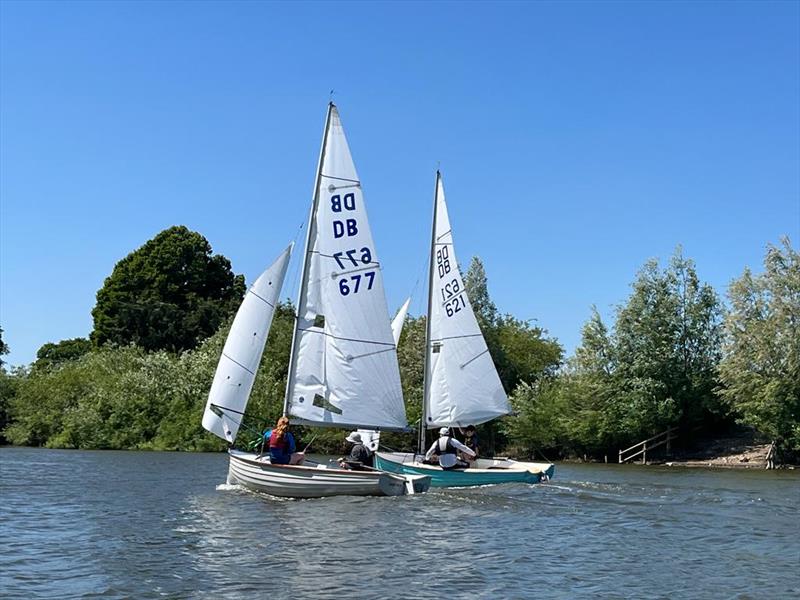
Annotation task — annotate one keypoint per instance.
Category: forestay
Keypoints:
(241, 355)
(344, 368)
(463, 387)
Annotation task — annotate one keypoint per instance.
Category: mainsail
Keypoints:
(463, 386)
(241, 355)
(343, 369)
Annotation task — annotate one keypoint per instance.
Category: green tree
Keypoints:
(667, 347)
(170, 294)
(761, 365)
(521, 353)
(51, 355)
(4, 349)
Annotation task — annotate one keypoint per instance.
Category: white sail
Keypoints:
(463, 385)
(399, 320)
(344, 369)
(241, 355)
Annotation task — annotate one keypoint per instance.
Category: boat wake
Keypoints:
(227, 487)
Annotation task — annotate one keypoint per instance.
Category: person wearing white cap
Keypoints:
(360, 458)
(447, 448)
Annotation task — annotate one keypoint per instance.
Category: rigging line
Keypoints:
(264, 300)
(344, 339)
(221, 408)
(239, 424)
(236, 362)
(474, 358)
(296, 276)
(340, 178)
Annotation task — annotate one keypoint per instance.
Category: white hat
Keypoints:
(444, 431)
(354, 437)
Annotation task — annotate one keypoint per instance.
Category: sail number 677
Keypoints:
(353, 283)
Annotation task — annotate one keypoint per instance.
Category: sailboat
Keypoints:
(343, 369)
(462, 386)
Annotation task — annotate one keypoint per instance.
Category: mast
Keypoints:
(306, 257)
(427, 383)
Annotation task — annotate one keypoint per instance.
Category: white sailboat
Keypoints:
(343, 369)
(462, 386)
(241, 355)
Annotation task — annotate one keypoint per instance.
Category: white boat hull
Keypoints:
(301, 481)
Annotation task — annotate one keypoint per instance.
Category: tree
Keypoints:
(761, 365)
(51, 355)
(8, 388)
(169, 294)
(476, 284)
(667, 347)
(4, 349)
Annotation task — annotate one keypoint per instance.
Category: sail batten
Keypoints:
(241, 355)
(462, 385)
(344, 369)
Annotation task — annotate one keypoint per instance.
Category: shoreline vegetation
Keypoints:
(725, 375)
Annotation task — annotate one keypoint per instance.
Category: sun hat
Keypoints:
(354, 437)
(444, 431)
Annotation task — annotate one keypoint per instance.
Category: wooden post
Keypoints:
(644, 454)
(620, 457)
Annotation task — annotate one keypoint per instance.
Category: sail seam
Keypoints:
(456, 337)
(238, 363)
(264, 300)
(340, 178)
(344, 339)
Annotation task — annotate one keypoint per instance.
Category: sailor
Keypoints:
(360, 458)
(471, 442)
(447, 448)
(282, 446)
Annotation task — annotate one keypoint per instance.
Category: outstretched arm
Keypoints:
(431, 450)
(462, 447)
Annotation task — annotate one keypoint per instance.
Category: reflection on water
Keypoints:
(155, 525)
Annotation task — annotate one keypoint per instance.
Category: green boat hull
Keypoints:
(465, 477)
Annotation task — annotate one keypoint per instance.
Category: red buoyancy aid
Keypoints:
(278, 441)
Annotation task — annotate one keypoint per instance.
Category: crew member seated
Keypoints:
(447, 448)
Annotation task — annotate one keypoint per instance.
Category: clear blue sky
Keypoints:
(576, 140)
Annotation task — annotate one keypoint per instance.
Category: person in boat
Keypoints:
(360, 458)
(471, 442)
(447, 449)
(282, 448)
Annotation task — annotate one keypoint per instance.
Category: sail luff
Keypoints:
(426, 381)
(306, 259)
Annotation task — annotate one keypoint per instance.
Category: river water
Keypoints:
(155, 525)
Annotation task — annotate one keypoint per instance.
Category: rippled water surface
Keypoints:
(153, 525)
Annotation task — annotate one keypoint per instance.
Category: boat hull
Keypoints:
(299, 481)
(485, 472)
